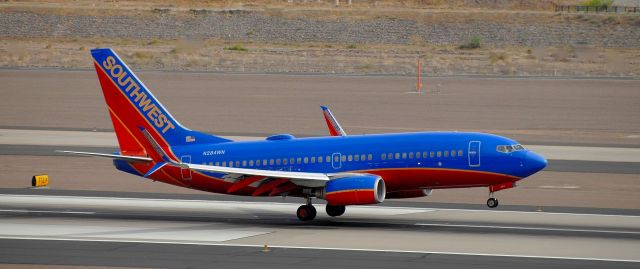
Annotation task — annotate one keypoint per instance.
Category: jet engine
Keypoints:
(354, 190)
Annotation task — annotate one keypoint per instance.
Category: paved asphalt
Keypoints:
(67, 229)
(123, 254)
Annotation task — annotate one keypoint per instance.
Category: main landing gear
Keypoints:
(306, 212)
(492, 202)
(335, 210)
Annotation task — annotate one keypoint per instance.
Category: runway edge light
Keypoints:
(40, 181)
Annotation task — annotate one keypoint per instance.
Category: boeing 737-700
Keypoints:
(341, 169)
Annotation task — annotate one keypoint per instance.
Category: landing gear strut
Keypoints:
(335, 210)
(306, 212)
(492, 202)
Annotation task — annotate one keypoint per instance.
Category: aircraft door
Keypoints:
(474, 153)
(185, 172)
(336, 160)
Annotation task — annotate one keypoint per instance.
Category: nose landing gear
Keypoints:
(492, 202)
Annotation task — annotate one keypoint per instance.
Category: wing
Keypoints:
(334, 127)
(299, 178)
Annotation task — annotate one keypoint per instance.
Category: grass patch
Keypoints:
(499, 56)
(142, 55)
(237, 47)
(352, 46)
(598, 3)
(474, 43)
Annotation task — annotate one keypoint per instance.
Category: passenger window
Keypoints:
(230, 163)
(410, 155)
(313, 159)
(264, 162)
(285, 161)
(424, 154)
(370, 157)
(299, 160)
(363, 156)
(431, 154)
(383, 156)
(244, 163)
(404, 155)
(390, 156)
(446, 153)
(439, 154)
(251, 163)
(328, 159)
(344, 158)
(306, 159)
(350, 158)
(319, 159)
(278, 161)
(453, 153)
(217, 163)
(397, 156)
(224, 163)
(356, 157)
(460, 153)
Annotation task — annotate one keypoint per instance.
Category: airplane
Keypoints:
(341, 169)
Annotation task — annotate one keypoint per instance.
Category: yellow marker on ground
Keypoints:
(40, 181)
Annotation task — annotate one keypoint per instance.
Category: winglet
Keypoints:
(334, 127)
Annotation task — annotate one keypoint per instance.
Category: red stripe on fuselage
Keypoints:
(437, 178)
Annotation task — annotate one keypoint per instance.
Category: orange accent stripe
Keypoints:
(125, 127)
(336, 192)
(173, 178)
(208, 176)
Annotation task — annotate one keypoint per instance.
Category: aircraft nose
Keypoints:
(534, 162)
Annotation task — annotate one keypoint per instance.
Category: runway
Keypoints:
(583, 211)
(401, 232)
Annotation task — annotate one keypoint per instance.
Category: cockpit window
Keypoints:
(509, 148)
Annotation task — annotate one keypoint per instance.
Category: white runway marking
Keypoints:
(526, 228)
(328, 248)
(171, 233)
(559, 187)
(45, 211)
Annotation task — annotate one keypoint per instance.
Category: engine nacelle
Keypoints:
(409, 194)
(354, 190)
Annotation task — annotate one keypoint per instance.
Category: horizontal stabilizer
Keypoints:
(112, 156)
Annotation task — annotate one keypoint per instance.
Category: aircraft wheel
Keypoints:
(492, 202)
(306, 212)
(335, 210)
